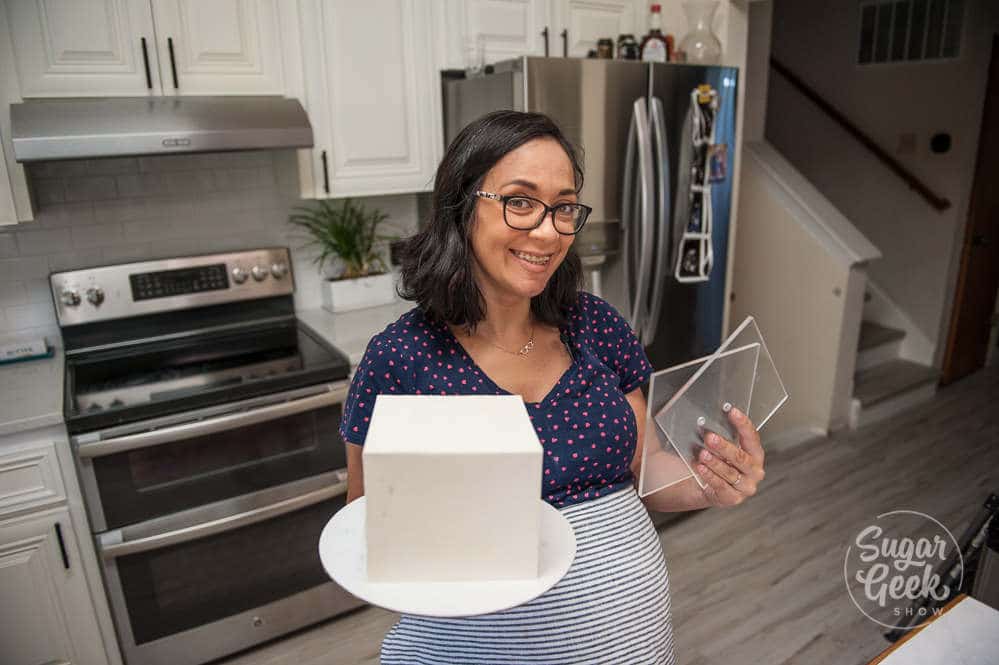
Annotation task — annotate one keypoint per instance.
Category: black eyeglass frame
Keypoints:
(549, 211)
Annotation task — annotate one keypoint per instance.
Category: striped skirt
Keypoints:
(611, 607)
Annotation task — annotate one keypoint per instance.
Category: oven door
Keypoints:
(138, 472)
(198, 585)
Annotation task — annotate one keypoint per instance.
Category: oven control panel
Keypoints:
(148, 287)
(178, 282)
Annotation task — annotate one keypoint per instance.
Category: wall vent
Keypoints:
(909, 30)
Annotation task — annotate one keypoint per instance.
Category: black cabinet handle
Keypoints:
(544, 33)
(326, 173)
(62, 546)
(145, 61)
(565, 43)
(173, 62)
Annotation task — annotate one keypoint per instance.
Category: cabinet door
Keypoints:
(586, 21)
(222, 47)
(380, 97)
(8, 212)
(48, 614)
(82, 47)
(495, 30)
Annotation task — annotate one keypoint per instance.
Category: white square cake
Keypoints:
(452, 486)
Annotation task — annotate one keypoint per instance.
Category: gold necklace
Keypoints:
(524, 350)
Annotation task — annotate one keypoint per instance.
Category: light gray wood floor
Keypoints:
(763, 583)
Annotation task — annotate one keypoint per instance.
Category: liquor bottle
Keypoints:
(656, 47)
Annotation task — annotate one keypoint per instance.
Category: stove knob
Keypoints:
(239, 275)
(70, 298)
(95, 296)
(259, 273)
(279, 270)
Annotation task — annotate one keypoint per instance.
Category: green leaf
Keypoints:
(343, 229)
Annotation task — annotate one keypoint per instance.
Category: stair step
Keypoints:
(889, 379)
(874, 334)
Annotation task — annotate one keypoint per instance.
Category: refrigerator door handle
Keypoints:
(663, 222)
(628, 225)
(639, 312)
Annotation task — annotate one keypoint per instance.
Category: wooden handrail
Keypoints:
(938, 202)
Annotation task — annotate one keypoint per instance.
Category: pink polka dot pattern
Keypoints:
(585, 425)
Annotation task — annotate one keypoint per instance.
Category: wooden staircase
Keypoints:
(885, 383)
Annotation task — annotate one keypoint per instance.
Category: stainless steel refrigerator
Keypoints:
(642, 130)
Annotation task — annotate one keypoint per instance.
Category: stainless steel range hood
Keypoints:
(130, 126)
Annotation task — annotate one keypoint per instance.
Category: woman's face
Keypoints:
(540, 169)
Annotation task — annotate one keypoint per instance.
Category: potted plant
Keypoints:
(346, 234)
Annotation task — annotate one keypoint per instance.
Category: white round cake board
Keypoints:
(343, 552)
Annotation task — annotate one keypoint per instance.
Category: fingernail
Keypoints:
(712, 439)
(737, 414)
(726, 407)
(702, 468)
(705, 456)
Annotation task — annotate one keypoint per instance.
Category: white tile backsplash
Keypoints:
(104, 211)
(8, 246)
(93, 188)
(19, 269)
(31, 316)
(61, 216)
(12, 294)
(96, 235)
(38, 243)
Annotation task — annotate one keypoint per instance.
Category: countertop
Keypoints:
(351, 331)
(31, 393)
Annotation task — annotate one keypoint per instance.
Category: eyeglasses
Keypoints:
(525, 213)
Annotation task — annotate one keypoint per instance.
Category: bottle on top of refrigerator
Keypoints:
(627, 48)
(656, 47)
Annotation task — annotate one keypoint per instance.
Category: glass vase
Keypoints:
(700, 45)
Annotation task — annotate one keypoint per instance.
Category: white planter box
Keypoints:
(346, 294)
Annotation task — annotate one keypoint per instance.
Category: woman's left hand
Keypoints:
(732, 471)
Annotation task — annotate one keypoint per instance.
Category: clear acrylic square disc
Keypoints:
(686, 401)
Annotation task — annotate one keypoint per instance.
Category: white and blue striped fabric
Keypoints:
(611, 607)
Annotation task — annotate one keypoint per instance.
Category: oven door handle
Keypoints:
(120, 444)
(221, 525)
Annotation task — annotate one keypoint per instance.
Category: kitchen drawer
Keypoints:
(29, 479)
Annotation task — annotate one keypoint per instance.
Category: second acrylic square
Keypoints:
(680, 417)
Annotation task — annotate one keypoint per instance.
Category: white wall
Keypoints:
(818, 40)
(100, 212)
(800, 270)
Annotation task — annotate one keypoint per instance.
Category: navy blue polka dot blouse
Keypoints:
(585, 425)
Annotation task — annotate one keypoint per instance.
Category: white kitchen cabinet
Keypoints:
(373, 97)
(586, 21)
(496, 30)
(54, 607)
(500, 29)
(8, 210)
(48, 614)
(231, 48)
(82, 48)
(101, 48)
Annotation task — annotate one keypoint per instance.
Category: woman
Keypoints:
(501, 312)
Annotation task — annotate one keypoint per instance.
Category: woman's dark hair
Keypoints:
(436, 263)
